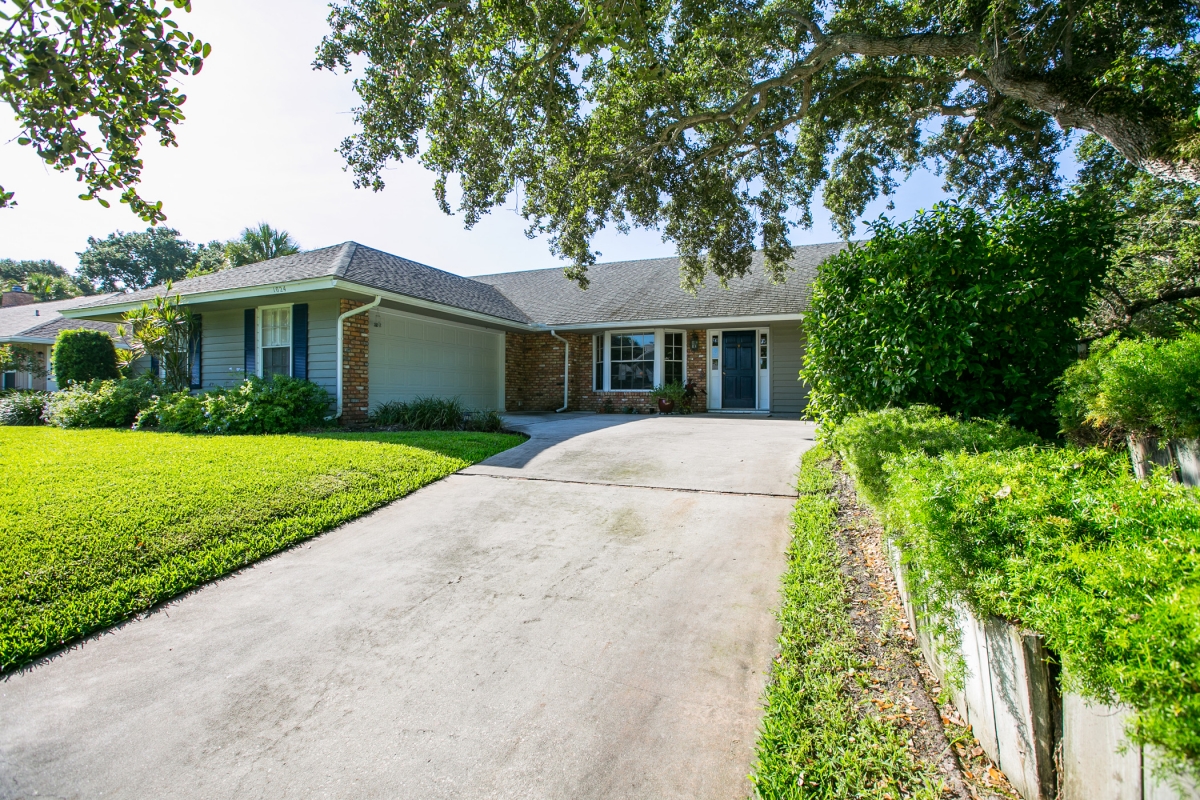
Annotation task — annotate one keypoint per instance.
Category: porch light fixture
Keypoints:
(694, 342)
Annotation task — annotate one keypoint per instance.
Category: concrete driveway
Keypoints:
(588, 615)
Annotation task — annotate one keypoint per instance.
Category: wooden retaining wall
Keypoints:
(1049, 745)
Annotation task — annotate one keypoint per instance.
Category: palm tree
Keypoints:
(50, 287)
(260, 243)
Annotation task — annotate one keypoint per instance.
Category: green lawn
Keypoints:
(98, 525)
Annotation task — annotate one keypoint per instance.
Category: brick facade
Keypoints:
(533, 375)
(355, 349)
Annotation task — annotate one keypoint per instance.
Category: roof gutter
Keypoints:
(566, 371)
(345, 316)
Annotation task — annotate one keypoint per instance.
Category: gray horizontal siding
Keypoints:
(789, 394)
(223, 349)
(322, 343)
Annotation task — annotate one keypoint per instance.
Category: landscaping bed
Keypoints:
(102, 524)
(849, 709)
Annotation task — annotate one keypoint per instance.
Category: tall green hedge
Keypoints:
(968, 312)
(84, 355)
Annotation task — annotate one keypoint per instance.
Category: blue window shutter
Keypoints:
(251, 346)
(195, 378)
(300, 341)
(154, 366)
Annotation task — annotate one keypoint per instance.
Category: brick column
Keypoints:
(355, 380)
(697, 367)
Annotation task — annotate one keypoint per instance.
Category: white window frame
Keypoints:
(661, 372)
(258, 336)
(660, 341)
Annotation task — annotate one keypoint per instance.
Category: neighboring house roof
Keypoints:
(42, 321)
(354, 263)
(629, 291)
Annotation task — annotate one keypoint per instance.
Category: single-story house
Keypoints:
(372, 327)
(34, 326)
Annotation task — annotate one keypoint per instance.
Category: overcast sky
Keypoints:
(260, 143)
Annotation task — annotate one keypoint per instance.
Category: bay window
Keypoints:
(637, 361)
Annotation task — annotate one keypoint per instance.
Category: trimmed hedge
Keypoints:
(1067, 542)
(84, 355)
(867, 441)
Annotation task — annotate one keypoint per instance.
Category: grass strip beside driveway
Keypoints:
(818, 739)
(98, 525)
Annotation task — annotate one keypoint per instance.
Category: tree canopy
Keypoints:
(1153, 284)
(720, 120)
(68, 67)
(141, 259)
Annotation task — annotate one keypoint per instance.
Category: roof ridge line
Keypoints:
(344, 257)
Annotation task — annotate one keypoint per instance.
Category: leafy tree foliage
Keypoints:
(42, 277)
(971, 313)
(260, 243)
(15, 272)
(719, 121)
(16, 358)
(1153, 286)
(142, 259)
(70, 66)
(84, 355)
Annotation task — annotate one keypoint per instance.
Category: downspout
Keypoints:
(566, 370)
(340, 320)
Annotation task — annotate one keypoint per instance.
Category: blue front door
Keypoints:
(737, 370)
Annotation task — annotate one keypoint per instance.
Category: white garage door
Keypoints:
(413, 357)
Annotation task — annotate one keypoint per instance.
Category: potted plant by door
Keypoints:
(669, 396)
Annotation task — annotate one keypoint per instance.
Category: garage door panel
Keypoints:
(411, 357)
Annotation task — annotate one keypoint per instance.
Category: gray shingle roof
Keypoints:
(628, 291)
(43, 321)
(351, 262)
(625, 291)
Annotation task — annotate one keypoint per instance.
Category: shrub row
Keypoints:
(1063, 540)
(278, 405)
(1147, 387)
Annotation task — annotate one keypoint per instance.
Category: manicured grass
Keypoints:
(816, 739)
(97, 525)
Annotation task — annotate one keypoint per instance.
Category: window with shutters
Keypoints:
(275, 336)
